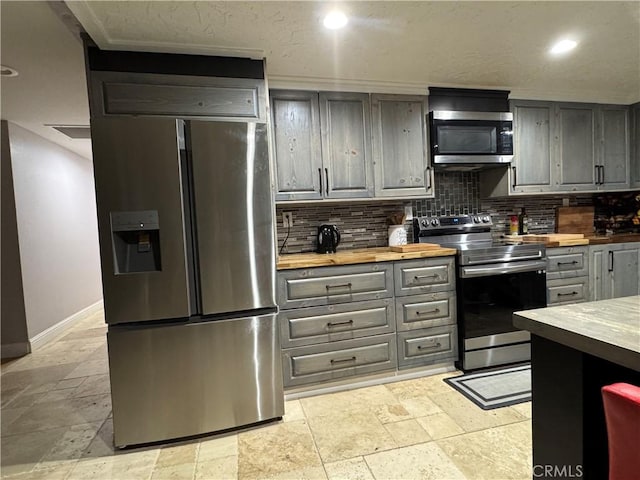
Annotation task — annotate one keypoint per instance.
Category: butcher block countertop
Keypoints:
(359, 255)
(566, 240)
(608, 329)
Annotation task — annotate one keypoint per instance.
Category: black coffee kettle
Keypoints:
(328, 238)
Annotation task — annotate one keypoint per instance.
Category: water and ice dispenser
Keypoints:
(136, 241)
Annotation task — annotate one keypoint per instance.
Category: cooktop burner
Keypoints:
(471, 236)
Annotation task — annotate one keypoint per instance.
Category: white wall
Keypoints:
(57, 229)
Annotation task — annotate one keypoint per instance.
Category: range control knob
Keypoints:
(424, 223)
(476, 219)
(435, 222)
(486, 219)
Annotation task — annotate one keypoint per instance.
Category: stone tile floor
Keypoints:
(56, 424)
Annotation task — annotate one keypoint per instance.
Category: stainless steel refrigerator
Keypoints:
(188, 266)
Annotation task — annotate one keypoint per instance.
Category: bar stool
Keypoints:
(622, 413)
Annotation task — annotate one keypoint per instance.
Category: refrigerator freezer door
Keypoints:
(175, 381)
(137, 175)
(233, 204)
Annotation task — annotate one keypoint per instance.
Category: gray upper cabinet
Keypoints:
(400, 146)
(205, 98)
(532, 169)
(346, 140)
(614, 147)
(568, 147)
(321, 145)
(576, 147)
(295, 121)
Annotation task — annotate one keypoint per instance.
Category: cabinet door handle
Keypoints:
(611, 261)
(338, 324)
(320, 175)
(428, 178)
(428, 347)
(568, 263)
(515, 181)
(343, 360)
(436, 310)
(342, 285)
(597, 167)
(420, 277)
(326, 176)
(601, 174)
(567, 294)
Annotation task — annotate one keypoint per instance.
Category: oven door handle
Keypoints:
(537, 256)
(503, 268)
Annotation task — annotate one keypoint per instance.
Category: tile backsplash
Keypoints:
(364, 224)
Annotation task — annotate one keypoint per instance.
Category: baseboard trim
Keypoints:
(59, 328)
(14, 350)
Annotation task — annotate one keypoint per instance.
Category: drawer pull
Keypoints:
(343, 360)
(568, 263)
(338, 324)
(342, 285)
(429, 347)
(420, 277)
(571, 294)
(436, 310)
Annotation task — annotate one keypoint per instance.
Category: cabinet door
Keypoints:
(532, 163)
(296, 143)
(346, 139)
(614, 147)
(622, 268)
(635, 147)
(400, 146)
(576, 135)
(597, 272)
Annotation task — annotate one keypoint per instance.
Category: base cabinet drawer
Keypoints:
(567, 262)
(424, 276)
(331, 285)
(425, 311)
(427, 346)
(567, 290)
(319, 363)
(331, 323)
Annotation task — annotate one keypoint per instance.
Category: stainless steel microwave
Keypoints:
(471, 140)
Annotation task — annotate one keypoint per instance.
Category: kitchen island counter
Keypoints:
(355, 256)
(575, 351)
(608, 329)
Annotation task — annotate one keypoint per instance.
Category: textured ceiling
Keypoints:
(398, 45)
(387, 46)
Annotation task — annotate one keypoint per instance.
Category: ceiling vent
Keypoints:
(75, 132)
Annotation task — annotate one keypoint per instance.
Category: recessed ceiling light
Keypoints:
(563, 46)
(8, 71)
(335, 19)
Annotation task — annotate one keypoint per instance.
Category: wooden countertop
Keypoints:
(359, 255)
(608, 329)
(549, 242)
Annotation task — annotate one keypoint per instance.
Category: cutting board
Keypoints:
(557, 239)
(414, 247)
(575, 220)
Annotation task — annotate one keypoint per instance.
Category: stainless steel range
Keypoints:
(494, 279)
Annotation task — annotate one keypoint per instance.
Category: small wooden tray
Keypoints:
(414, 247)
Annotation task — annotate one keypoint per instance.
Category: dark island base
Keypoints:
(569, 428)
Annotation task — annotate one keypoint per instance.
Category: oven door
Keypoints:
(487, 297)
